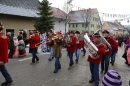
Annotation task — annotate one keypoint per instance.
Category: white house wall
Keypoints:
(60, 26)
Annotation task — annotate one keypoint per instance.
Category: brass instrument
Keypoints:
(67, 39)
(104, 41)
(55, 37)
(91, 48)
(79, 38)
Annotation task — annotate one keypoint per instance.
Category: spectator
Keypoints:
(11, 45)
(112, 78)
(21, 47)
(44, 42)
(20, 36)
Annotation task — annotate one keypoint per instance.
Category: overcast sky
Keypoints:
(104, 6)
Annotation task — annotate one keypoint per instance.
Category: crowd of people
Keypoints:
(73, 42)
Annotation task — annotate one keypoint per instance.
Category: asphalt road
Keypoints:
(41, 74)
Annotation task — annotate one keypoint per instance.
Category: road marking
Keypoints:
(31, 57)
(24, 59)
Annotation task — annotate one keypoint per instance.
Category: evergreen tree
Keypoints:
(45, 21)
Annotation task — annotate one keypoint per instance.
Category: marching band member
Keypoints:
(34, 42)
(78, 46)
(106, 57)
(114, 52)
(94, 63)
(50, 42)
(84, 50)
(71, 45)
(4, 57)
(57, 50)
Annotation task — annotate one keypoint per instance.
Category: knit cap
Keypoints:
(111, 78)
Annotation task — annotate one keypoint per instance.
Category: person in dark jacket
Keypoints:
(11, 45)
(20, 36)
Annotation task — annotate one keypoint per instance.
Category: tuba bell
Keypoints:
(91, 47)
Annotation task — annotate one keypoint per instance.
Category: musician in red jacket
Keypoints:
(4, 57)
(79, 43)
(34, 43)
(71, 46)
(94, 62)
(114, 51)
(108, 52)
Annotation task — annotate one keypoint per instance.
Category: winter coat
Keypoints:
(128, 55)
(57, 49)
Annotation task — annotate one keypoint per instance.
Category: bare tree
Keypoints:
(67, 8)
(86, 17)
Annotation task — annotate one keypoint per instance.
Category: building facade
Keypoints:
(92, 18)
(18, 15)
(114, 27)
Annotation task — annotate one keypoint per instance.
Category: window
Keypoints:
(95, 19)
(69, 25)
(92, 25)
(98, 26)
(75, 25)
(83, 25)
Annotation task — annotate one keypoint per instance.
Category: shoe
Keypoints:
(72, 63)
(112, 64)
(76, 62)
(59, 68)
(6, 83)
(101, 72)
(37, 61)
(91, 80)
(55, 71)
(49, 59)
(52, 57)
(32, 63)
(84, 55)
(70, 67)
(96, 85)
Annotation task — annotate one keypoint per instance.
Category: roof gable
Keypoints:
(26, 8)
(113, 26)
(25, 4)
(106, 26)
(81, 16)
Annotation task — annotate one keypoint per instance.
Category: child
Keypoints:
(21, 47)
(112, 78)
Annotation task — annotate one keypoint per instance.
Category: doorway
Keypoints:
(10, 30)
